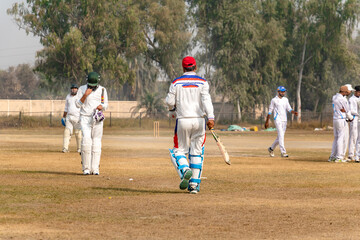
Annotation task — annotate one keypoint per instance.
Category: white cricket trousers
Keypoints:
(91, 143)
(338, 150)
(353, 137)
(189, 139)
(357, 148)
(72, 126)
(281, 128)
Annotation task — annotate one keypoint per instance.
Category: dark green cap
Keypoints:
(93, 79)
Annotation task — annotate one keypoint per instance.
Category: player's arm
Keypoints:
(289, 109)
(170, 98)
(353, 107)
(346, 109)
(271, 109)
(104, 102)
(82, 99)
(208, 106)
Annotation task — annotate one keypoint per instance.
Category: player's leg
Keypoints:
(353, 139)
(78, 135)
(341, 133)
(97, 134)
(196, 155)
(86, 143)
(67, 135)
(345, 138)
(282, 131)
(276, 142)
(334, 145)
(357, 146)
(181, 147)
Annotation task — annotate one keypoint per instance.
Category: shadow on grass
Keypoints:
(138, 190)
(52, 172)
(308, 159)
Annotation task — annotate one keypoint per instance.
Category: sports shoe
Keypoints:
(79, 151)
(96, 173)
(86, 172)
(65, 150)
(357, 160)
(339, 160)
(284, 155)
(185, 180)
(350, 158)
(194, 189)
(331, 159)
(271, 152)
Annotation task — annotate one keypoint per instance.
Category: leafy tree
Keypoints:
(18, 82)
(82, 36)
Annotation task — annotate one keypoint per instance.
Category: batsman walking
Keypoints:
(93, 101)
(279, 105)
(189, 97)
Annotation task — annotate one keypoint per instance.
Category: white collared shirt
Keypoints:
(340, 102)
(190, 94)
(92, 101)
(280, 106)
(70, 105)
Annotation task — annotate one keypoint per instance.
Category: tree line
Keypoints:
(245, 48)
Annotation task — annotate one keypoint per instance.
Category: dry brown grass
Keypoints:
(44, 196)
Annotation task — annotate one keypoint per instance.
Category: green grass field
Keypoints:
(43, 194)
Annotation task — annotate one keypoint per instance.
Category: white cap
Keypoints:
(350, 88)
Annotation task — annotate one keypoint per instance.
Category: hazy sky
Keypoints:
(15, 46)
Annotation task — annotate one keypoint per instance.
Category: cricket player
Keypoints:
(347, 129)
(189, 97)
(354, 131)
(93, 100)
(279, 105)
(71, 120)
(341, 112)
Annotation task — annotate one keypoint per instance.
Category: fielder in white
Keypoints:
(347, 129)
(71, 120)
(93, 100)
(279, 105)
(189, 97)
(353, 104)
(341, 112)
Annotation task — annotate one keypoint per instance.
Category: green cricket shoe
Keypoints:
(185, 181)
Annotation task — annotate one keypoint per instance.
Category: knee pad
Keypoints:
(180, 163)
(67, 137)
(196, 165)
(96, 145)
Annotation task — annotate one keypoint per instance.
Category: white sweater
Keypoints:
(92, 101)
(190, 94)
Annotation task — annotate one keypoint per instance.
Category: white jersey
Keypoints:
(70, 105)
(340, 102)
(279, 106)
(92, 101)
(353, 104)
(190, 94)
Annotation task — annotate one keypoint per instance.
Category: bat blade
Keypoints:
(221, 147)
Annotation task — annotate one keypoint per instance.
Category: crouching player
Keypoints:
(189, 97)
(92, 101)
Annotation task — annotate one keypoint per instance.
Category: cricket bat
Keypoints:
(221, 146)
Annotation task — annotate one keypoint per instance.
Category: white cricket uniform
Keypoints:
(353, 104)
(72, 121)
(91, 129)
(339, 124)
(280, 107)
(190, 95)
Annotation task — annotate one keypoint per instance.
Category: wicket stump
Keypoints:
(156, 129)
